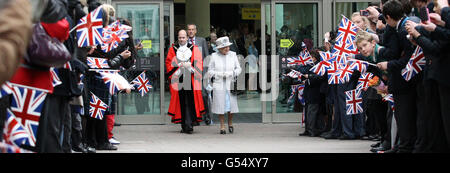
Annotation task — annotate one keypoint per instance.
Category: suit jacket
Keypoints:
(397, 84)
(200, 42)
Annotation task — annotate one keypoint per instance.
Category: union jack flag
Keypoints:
(27, 105)
(6, 89)
(97, 107)
(354, 102)
(300, 90)
(325, 64)
(304, 58)
(390, 99)
(113, 35)
(117, 26)
(81, 84)
(333, 73)
(358, 65)
(294, 74)
(345, 73)
(333, 78)
(7, 148)
(97, 63)
(115, 82)
(294, 90)
(325, 56)
(90, 29)
(415, 64)
(142, 84)
(363, 81)
(13, 132)
(68, 66)
(55, 79)
(346, 38)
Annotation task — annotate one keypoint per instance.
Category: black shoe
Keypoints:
(324, 134)
(187, 131)
(314, 135)
(379, 149)
(223, 132)
(366, 138)
(117, 124)
(79, 148)
(231, 129)
(207, 120)
(306, 133)
(375, 145)
(106, 146)
(376, 138)
(91, 150)
(330, 136)
(345, 137)
(389, 151)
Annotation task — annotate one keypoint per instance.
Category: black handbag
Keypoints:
(46, 51)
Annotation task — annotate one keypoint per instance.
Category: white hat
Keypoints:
(223, 42)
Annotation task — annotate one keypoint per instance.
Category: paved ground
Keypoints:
(248, 138)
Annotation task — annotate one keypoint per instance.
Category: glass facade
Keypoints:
(295, 23)
(145, 20)
(347, 9)
(291, 21)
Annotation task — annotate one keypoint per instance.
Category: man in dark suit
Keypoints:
(203, 46)
(198, 41)
(406, 93)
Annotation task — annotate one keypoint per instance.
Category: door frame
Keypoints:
(148, 118)
(289, 117)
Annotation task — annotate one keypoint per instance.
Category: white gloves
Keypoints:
(186, 65)
(228, 74)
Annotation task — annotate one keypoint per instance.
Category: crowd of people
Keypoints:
(49, 87)
(47, 58)
(391, 37)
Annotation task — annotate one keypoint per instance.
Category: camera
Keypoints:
(424, 14)
(364, 13)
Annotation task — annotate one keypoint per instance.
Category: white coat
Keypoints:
(223, 68)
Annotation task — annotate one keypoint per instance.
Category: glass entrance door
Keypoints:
(147, 23)
(293, 24)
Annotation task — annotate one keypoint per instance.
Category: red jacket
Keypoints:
(172, 67)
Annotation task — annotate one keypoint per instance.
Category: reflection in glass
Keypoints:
(295, 24)
(145, 22)
(347, 9)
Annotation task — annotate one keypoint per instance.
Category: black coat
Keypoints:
(433, 49)
(312, 93)
(443, 62)
(390, 43)
(397, 84)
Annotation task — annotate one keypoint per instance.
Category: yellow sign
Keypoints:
(286, 43)
(147, 44)
(251, 14)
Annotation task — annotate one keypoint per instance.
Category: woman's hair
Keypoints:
(108, 12)
(363, 35)
(364, 18)
(109, 9)
(315, 53)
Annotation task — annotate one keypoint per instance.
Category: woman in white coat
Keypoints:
(224, 68)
